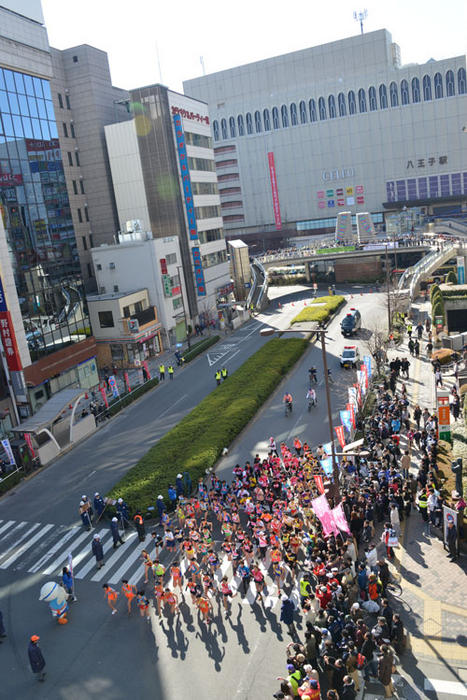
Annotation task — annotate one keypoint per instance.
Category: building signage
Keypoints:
(337, 174)
(444, 415)
(185, 173)
(10, 180)
(190, 115)
(274, 190)
(113, 386)
(199, 274)
(8, 336)
(8, 451)
(41, 145)
(163, 263)
(340, 197)
(460, 269)
(3, 306)
(423, 162)
(166, 283)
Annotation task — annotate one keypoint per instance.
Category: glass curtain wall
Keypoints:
(36, 213)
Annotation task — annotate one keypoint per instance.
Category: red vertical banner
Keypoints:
(274, 190)
(10, 346)
(340, 435)
(104, 395)
(127, 381)
(350, 407)
(319, 482)
(27, 437)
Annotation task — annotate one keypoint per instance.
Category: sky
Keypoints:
(150, 41)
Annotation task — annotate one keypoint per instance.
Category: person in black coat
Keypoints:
(36, 659)
(397, 634)
(287, 615)
(386, 611)
(98, 551)
(348, 691)
(115, 532)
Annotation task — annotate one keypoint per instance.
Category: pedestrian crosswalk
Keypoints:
(37, 548)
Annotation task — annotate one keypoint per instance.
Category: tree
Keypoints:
(451, 277)
(376, 345)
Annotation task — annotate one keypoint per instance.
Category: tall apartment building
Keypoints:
(163, 173)
(43, 315)
(84, 101)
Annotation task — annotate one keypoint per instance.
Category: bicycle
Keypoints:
(287, 407)
(394, 588)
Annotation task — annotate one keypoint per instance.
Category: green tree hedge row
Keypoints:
(196, 443)
(316, 311)
(200, 347)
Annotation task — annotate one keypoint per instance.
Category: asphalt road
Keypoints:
(111, 657)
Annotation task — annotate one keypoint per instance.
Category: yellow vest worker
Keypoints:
(171, 372)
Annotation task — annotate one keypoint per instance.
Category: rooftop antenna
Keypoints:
(359, 17)
(201, 60)
(159, 63)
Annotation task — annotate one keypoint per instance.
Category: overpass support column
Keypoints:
(307, 272)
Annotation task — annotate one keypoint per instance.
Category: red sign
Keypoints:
(7, 333)
(41, 145)
(127, 381)
(176, 290)
(104, 395)
(10, 180)
(275, 193)
(27, 437)
(163, 264)
(190, 115)
(340, 435)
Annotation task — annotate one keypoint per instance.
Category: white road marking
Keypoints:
(116, 577)
(18, 541)
(25, 546)
(114, 558)
(52, 551)
(62, 557)
(185, 396)
(448, 687)
(92, 563)
(7, 525)
(16, 527)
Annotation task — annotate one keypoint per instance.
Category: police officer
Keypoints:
(85, 512)
(161, 373)
(161, 507)
(139, 524)
(218, 377)
(224, 373)
(171, 372)
(122, 512)
(115, 532)
(99, 504)
(179, 485)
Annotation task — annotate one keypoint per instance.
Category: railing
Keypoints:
(434, 259)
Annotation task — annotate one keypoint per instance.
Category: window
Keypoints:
(393, 95)
(249, 123)
(372, 99)
(321, 108)
(106, 319)
(332, 107)
(415, 90)
(171, 258)
(72, 130)
(126, 312)
(81, 186)
(426, 88)
(405, 92)
(75, 59)
(91, 241)
(341, 104)
(99, 266)
(230, 190)
(214, 234)
(383, 97)
(75, 187)
(266, 120)
(275, 118)
(461, 81)
(65, 130)
(198, 139)
(204, 188)
(116, 351)
(84, 242)
(232, 127)
(89, 266)
(215, 128)
(70, 158)
(303, 115)
(216, 258)
(201, 164)
(450, 91)
(60, 100)
(285, 116)
(438, 83)
(86, 212)
(77, 159)
(352, 104)
(67, 101)
(207, 212)
(241, 125)
(227, 163)
(80, 216)
(224, 128)
(115, 288)
(361, 100)
(228, 177)
(258, 122)
(293, 114)
(312, 110)
(232, 205)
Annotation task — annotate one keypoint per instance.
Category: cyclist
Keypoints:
(287, 400)
(312, 375)
(311, 398)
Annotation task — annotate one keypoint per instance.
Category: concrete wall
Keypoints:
(352, 270)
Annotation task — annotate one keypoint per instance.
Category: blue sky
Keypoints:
(231, 33)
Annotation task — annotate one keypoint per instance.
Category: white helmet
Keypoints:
(120, 500)
(81, 503)
(114, 520)
(96, 494)
(179, 476)
(160, 497)
(83, 497)
(96, 536)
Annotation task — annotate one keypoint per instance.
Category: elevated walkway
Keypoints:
(258, 292)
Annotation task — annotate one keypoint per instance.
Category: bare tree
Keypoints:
(377, 344)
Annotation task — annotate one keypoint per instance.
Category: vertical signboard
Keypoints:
(460, 269)
(274, 190)
(199, 274)
(185, 173)
(444, 415)
(7, 333)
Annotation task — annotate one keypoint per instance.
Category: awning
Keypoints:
(353, 446)
(51, 410)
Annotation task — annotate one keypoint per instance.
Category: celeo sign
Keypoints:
(8, 336)
(337, 174)
(274, 190)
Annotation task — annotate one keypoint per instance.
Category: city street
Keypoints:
(96, 654)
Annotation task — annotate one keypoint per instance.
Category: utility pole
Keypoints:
(181, 280)
(387, 289)
(335, 469)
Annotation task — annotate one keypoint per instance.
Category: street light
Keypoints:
(322, 333)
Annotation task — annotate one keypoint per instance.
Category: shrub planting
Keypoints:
(319, 309)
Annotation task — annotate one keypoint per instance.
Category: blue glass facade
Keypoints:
(36, 213)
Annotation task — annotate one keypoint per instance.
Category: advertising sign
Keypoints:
(449, 516)
(460, 269)
(274, 190)
(8, 451)
(10, 180)
(163, 264)
(439, 322)
(199, 274)
(113, 386)
(7, 333)
(185, 173)
(444, 415)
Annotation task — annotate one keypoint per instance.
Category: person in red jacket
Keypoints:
(323, 594)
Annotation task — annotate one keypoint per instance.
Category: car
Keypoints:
(350, 356)
(351, 322)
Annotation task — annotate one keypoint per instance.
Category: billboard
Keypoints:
(274, 190)
(199, 274)
(185, 174)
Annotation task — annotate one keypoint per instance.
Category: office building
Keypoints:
(340, 127)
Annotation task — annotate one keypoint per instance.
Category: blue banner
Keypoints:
(326, 466)
(199, 274)
(185, 174)
(3, 306)
(367, 361)
(346, 420)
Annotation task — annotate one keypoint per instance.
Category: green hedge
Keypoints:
(285, 280)
(118, 404)
(198, 348)
(196, 443)
(451, 277)
(454, 292)
(316, 312)
(8, 482)
(434, 288)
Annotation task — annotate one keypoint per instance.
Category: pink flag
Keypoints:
(320, 507)
(339, 518)
(340, 435)
(127, 381)
(104, 395)
(27, 437)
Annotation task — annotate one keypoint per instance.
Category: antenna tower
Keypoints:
(359, 17)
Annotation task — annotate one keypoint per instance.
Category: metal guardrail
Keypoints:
(434, 259)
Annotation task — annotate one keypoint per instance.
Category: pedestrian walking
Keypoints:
(161, 373)
(36, 659)
(98, 551)
(115, 533)
(129, 592)
(451, 538)
(439, 378)
(170, 370)
(385, 665)
(111, 595)
(67, 582)
(123, 513)
(139, 524)
(416, 348)
(224, 373)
